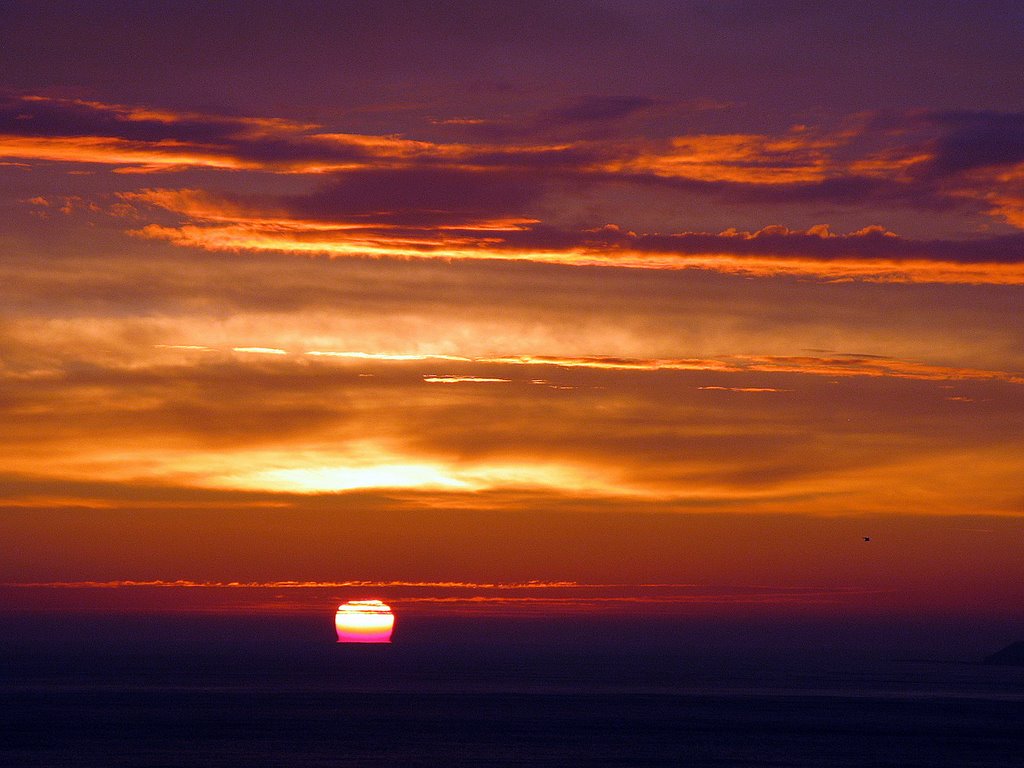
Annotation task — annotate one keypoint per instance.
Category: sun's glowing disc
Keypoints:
(364, 621)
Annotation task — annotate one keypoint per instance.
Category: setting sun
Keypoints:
(364, 621)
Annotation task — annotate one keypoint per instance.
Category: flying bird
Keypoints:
(866, 538)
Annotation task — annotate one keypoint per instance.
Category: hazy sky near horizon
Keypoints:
(649, 303)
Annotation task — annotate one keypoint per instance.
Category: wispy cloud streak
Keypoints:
(554, 596)
(842, 365)
(932, 160)
(400, 198)
(870, 254)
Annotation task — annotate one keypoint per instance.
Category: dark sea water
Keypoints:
(159, 691)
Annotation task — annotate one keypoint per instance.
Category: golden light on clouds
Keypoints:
(370, 467)
(335, 479)
(740, 158)
(346, 241)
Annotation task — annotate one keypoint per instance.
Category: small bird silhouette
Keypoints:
(866, 538)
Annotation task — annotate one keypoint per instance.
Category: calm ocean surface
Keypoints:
(168, 692)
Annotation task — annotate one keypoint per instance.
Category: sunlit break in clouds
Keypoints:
(364, 621)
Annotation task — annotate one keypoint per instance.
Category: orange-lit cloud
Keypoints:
(871, 254)
(260, 350)
(157, 155)
(362, 618)
(361, 583)
(739, 158)
(802, 433)
(926, 164)
(837, 365)
(455, 379)
(743, 389)
(397, 198)
(428, 245)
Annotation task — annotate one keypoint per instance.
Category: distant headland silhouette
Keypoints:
(1011, 655)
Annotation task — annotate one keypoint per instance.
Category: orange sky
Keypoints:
(611, 338)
